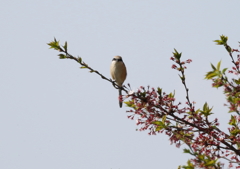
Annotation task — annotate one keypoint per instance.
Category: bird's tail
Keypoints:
(120, 98)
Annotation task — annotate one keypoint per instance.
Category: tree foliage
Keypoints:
(158, 112)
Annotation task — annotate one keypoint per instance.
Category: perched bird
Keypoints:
(118, 72)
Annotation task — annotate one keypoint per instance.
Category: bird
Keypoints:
(118, 72)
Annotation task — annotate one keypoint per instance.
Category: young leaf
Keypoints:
(224, 39)
(79, 59)
(218, 65)
(237, 81)
(218, 42)
(62, 56)
(186, 150)
(164, 118)
(157, 122)
(54, 44)
(213, 67)
(176, 54)
(210, 163)
(233, 121)
(65, 46)
(159, 90)
(224, 70)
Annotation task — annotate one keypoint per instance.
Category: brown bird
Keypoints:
(118, 72)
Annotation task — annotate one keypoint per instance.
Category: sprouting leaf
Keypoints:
(210, 163)
(83, 67)
(160, 125)
(233, 121)
(223, 40)
(65, 46)
(157, 122)
(237, 81)
(218, 65)
(176, 54)
(79, 59)
(186, 150)
(205, 106)
(235, 132)
(206, 111)
(171, 95)
(164, 118)
(210, 75)
(189, 165)
(213, 67)
(130, 104)
(62, 56)
(218, 42)
(54, 44)
(181, 77)
(224, 70)
(201, 157)
(159, 90)
(159, 128)
(215, 72)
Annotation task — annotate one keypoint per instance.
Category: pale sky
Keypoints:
(57, 116)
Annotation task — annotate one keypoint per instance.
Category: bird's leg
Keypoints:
(114, 84)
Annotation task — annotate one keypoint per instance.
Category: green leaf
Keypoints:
(65, 46)
(171, 95)
(218, 42)
(130, 104)
(235, 132)
(210, 75)
(223, 40)
(54, 44)
(189, 165)
(236, 81)
(224, 70)
(205, 106)
(160, 125)
(210, 163)
(206, 111)
(218, 65)
(215, 72)
(159, 128)
(233, 121)
(159, 90)
(83, 67)
(79, 59)
(164, 118)
(213, 67)
(176, 54)
(62, 56)
(186, 151)
(201, 157)
(157, 122)
(181, 77)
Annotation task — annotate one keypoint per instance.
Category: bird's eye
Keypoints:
(118, 60)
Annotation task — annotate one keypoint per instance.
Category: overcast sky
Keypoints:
(57, 116)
